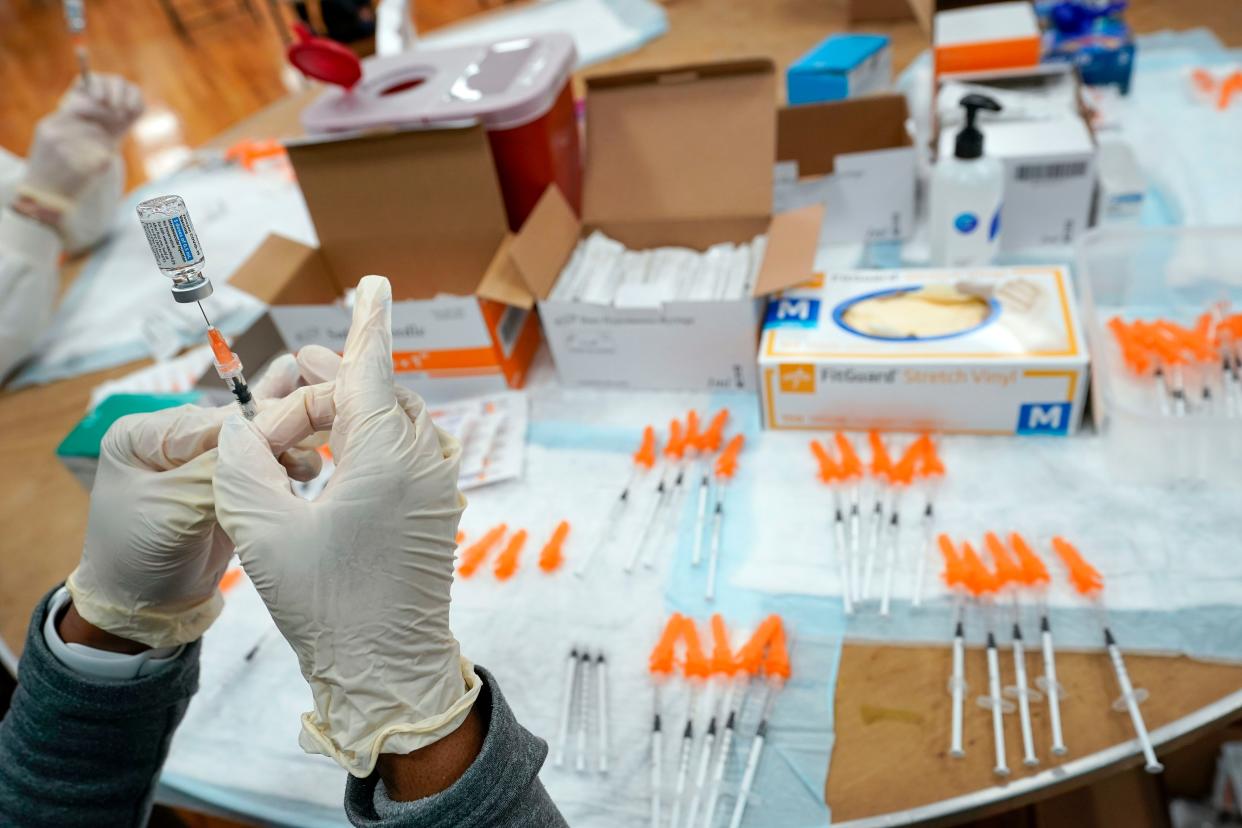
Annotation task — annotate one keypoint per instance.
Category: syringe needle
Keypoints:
(957, 687)
(204, 313)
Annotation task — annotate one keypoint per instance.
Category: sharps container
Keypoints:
(519, 89)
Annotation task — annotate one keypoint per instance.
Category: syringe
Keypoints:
(229, 367)
(75, 20)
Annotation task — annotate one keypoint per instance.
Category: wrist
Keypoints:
(74, 629)
(433, 769)
(42, 210)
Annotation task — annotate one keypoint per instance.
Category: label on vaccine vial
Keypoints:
(173, 242)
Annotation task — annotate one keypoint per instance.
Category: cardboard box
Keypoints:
(423, 208)
(890, 11)
(992, 36)
(839, 67)
(855, 158)
(679, 156)
(1021, 370)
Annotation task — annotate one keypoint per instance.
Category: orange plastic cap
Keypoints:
(676, 445)
(645, 456)
(1007, 570)
(829, 472)
(553, 553)
(881, 463)
(507, 561)
(474, 555)
(723, 661)
(850, 464)
(1034, 573)
(776, 664)
(952, 575)
(726, 463)
(661, 659)
(1085, 578)
(714, 436)
(750, 657)
(694, 437)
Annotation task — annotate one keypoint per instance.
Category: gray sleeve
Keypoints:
(499, 790)
(81, 751)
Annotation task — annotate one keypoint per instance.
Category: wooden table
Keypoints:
(891, 704)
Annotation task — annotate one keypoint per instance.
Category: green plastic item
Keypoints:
(86, 436)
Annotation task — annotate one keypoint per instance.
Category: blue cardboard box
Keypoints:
(842, 66)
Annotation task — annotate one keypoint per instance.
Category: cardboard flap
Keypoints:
(815, 134)
(421, 207)
(545, 242)
(503, 281)
(690, 142)
(793, 238)
(285, 272)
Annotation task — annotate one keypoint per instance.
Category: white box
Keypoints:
(855, 158)
(1022, 370)
(442, 347)
(676, 157)
(1049, 179)
(677, 346)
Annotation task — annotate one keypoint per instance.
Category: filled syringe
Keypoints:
(75, 21)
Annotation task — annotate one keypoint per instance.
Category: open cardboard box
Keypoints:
(422, 207)
(679, 156)
(857, 159)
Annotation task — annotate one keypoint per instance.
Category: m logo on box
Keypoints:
(797, 313)
(1044, 418)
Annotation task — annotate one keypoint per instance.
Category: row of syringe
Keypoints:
(1017, 571)
(1193, 371)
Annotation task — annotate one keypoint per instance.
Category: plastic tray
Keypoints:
(1170, 273)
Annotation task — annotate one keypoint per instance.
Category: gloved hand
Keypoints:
(358, 580)
(79, 140)
(154, 553)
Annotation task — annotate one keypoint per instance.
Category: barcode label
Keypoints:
(510, 326)
(1051, 172)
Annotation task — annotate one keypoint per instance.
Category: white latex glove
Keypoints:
(358, 580)
(154, 553)
(79, 139)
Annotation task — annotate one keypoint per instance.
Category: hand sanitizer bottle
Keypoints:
(964, 225)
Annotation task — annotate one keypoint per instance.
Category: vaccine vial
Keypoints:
(175, 246)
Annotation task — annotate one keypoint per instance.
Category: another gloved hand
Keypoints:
(154, 553)
(79, 140)
(358, 580)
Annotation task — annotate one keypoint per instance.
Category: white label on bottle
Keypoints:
(173, 242)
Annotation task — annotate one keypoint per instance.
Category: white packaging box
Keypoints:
(854, 157)
(676, 157)
(442, 348)
(1022, 371)
(1049, 179)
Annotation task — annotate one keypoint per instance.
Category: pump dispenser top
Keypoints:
(970, 140)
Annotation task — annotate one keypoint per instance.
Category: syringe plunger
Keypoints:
(175, 246)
